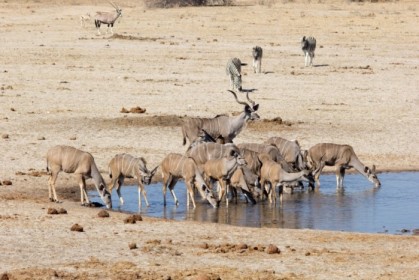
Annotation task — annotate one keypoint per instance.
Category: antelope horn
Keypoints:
(250, 100)
(238, 101)
(113, 5)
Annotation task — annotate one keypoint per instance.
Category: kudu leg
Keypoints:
(190, 190)
(171, 188)
(141, 190)
(83, 194)
(119, 181)
(51, 187)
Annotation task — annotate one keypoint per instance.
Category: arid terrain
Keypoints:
(62, 83)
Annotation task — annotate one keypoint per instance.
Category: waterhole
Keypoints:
(393, 208)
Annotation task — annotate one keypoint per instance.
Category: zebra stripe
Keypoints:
(308, 45)
(257, 53)
(233, 70)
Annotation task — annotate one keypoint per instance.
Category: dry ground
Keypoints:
(63, 84)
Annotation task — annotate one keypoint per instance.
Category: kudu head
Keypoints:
(249, 109)
(106, 196)
(233, 153)
(209, 195)
(146, 175)
(372, 176)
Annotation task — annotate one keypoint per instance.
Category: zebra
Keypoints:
(233, 69)
(308, 45)
(257, 59)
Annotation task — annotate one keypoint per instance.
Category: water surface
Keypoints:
(393, 208)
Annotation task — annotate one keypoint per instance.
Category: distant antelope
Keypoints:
(221, 127)
(257, 53)
(233, 70)
(125, 165)
(341, 156)
(176, 166)
(82, 164)
(108, 18)
(308, 45)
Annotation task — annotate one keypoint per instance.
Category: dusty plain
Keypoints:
(64, 84)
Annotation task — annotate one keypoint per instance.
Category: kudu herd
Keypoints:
(255, 169)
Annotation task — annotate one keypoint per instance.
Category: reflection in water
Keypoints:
(360, 207)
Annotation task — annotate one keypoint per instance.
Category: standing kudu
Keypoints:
(341, 156)
(273, 174)
(221, 127)
(290, 151)
(125, 165)
(175, 166)
(221, 170)
(82, 164)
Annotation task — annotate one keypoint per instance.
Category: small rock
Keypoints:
(7, 182)
(5, 136)
(129, 220)
(103, 214)
(241, 246)
(137, 217)
(123, 110)
(204, 245)
(307, 254)
(202, 277)
(41, 138)
(137, 110)
(4, 276)
(52, 211)
(272, 249)
(73, 138)
(404, 230)
(132, 246)
(77, 227)
(62, 211)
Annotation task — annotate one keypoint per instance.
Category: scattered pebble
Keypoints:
(272, 249)
(307, 254)
(52, 211)
(103, 214)
(7, 182)
(76, 227)
(41, 138)
(241, 246)
(5, 136)
(73, 138)
(202, 277)
(4, 276)
(132, 246)
(204, 246)
(133, 219)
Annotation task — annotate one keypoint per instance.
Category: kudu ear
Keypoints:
(367, 170)
(256, 107)
(373, 169)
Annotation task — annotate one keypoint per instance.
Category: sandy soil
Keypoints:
(63, 84)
